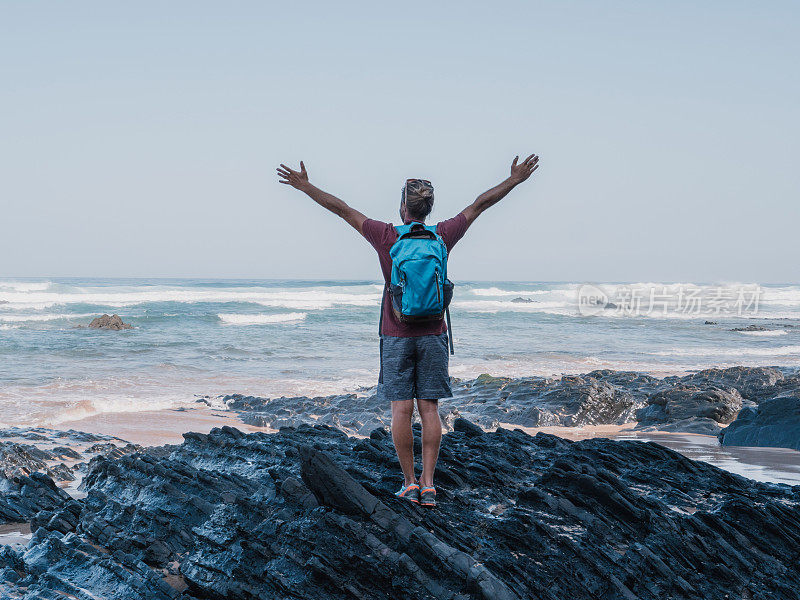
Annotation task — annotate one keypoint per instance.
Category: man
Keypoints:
(414, 358)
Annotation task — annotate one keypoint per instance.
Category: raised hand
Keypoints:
(297, 179)
(520, 172)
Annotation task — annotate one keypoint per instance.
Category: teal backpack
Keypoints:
(420, 290)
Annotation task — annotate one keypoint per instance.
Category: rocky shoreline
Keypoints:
(706, 402)
(308, 512)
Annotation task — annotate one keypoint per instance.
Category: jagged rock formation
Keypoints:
(22, 497)
(20, 461)
(690, 408)
(601, 397)
(753, 383)
(702, 402)
(24, 459)
(310, 513)
(44, 434)
(706, 401)
(113, 322)
(774, 422)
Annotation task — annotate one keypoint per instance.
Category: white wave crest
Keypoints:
(90, 407)
(713, 351)
(17, 306)
(770, 333)
(41, 318)
(302, 299)
(24, 286)
(495, 291)
(780, 296)
(495, 306)
(239, 319)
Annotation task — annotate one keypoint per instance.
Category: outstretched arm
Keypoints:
(299, 181)
(519, 173)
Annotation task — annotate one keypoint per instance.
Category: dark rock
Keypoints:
(112, 450)
(23, 459)
(297, 492)
(710, 323)
(690, 408)
(774, 422)
(19, 459)
(750, 328)
(572, 400)
(62, 452)
(753, 383)
(464, 426)
(24, 496)
(113, 322)
(59, 566)
(331, 484)
(520, 299)
(602, 397)
(600, 302)
(60, 472)
(101, 448)
(520, 517)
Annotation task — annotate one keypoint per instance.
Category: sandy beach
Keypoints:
(158, 427)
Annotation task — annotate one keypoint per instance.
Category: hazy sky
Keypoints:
(140, 139)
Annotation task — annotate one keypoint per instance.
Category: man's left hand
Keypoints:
(520, 172)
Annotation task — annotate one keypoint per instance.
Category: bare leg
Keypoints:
(403, 437)
(431, 439)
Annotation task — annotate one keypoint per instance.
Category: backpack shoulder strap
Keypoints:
(449, 330)
(380, 318)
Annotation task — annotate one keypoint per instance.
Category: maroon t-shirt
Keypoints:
(382, 236)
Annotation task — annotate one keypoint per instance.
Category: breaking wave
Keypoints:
(238, 319)
(736, 352)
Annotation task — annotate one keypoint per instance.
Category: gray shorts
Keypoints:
(414, 367)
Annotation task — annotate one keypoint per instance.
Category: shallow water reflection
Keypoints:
(776, 465)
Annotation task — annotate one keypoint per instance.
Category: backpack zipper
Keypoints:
(438, 293)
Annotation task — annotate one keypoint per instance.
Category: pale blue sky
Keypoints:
(140, 139)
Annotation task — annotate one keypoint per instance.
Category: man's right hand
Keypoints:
(297, 179)
(520, 171)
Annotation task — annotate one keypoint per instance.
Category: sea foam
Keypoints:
(239, 319)
(45, 317)
(769, 333)
(737, 352)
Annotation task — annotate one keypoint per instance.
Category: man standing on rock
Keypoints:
(414, 353)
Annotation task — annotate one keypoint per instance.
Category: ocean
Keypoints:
(201, 337)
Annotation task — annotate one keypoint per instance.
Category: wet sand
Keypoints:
(15, 533)
(158, 427)
(776, 465)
